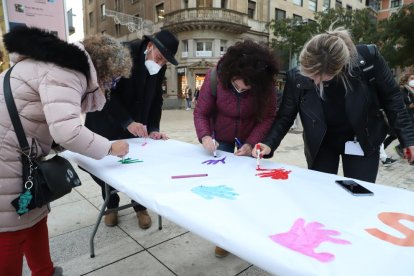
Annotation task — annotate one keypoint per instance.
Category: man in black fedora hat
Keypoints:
(134, 106)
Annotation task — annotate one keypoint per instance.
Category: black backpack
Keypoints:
(367, 51)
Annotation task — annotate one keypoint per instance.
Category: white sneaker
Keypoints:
(388, 162)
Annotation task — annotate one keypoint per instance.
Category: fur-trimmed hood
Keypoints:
(41, 45)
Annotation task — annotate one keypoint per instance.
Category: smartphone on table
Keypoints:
(354, 188)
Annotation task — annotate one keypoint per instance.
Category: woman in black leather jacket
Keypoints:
(339, 100)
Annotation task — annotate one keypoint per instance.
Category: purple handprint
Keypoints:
(305, 239)
(215, 161)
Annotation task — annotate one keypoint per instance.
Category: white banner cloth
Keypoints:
(242, 212)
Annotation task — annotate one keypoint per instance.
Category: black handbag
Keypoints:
(44, 180)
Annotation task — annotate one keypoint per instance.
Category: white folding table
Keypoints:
(303, 225)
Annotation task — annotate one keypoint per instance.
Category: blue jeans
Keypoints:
(188, 103)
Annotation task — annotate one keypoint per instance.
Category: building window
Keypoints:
(159, 9)
(91, 20)
(184, 52)
(338, 4)
(349, 8)
(297, 19)
(280, 14)
(376, 5)
(204, 49)
(90, 1)
(102, 11)
(117, 30)
(185, 4)
(223, 47)
(224, 4)
(313, 5)
(204, 3)
(251, 9)
(395, 3)
(326, 5)
(103, 32)
(298, 2)
(117, 5)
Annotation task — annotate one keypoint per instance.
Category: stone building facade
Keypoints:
(205, 28)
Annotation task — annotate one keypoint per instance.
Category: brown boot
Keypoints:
(111, 219)
(144, 220)
(220, 252)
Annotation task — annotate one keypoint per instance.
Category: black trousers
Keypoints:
(114, 198)
(359, 167)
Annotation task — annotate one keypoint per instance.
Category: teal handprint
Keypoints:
(209, 192)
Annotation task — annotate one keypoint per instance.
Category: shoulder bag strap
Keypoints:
(14, 115)
(213, 81)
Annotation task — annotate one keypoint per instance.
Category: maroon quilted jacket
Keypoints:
(234, 115)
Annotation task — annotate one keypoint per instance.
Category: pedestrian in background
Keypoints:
(196, 94)
(52, 83)
(407, 87)
(188, 95)
(135, 106)
(242, 108)
(340, 111)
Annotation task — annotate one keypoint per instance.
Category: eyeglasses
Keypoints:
(115, 82)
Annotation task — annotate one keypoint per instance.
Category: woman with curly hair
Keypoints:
(52, 83)
(241, 110)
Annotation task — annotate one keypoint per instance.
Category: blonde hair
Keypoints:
(332, 53)
(109, 57)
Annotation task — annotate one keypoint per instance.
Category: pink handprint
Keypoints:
(215, 161)
(305, 239)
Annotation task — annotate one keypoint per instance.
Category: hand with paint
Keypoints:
(119, 148)
(245, 150)
(137, 129)
(209, 144)
(263, 150)
(158, 135)
(409, 154)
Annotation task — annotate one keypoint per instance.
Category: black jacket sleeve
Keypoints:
(286, 116)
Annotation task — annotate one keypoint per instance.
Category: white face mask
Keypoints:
(152, 66)
(411, 83)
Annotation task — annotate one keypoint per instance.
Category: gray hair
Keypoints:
(110, 58)
(331, 53)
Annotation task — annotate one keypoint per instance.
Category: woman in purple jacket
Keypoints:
(240, 108)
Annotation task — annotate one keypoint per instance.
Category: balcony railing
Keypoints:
(133, 23)
(202, 15)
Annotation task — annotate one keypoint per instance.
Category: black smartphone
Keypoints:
(354, 188)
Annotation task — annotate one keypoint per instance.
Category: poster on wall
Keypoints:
(45, 14)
